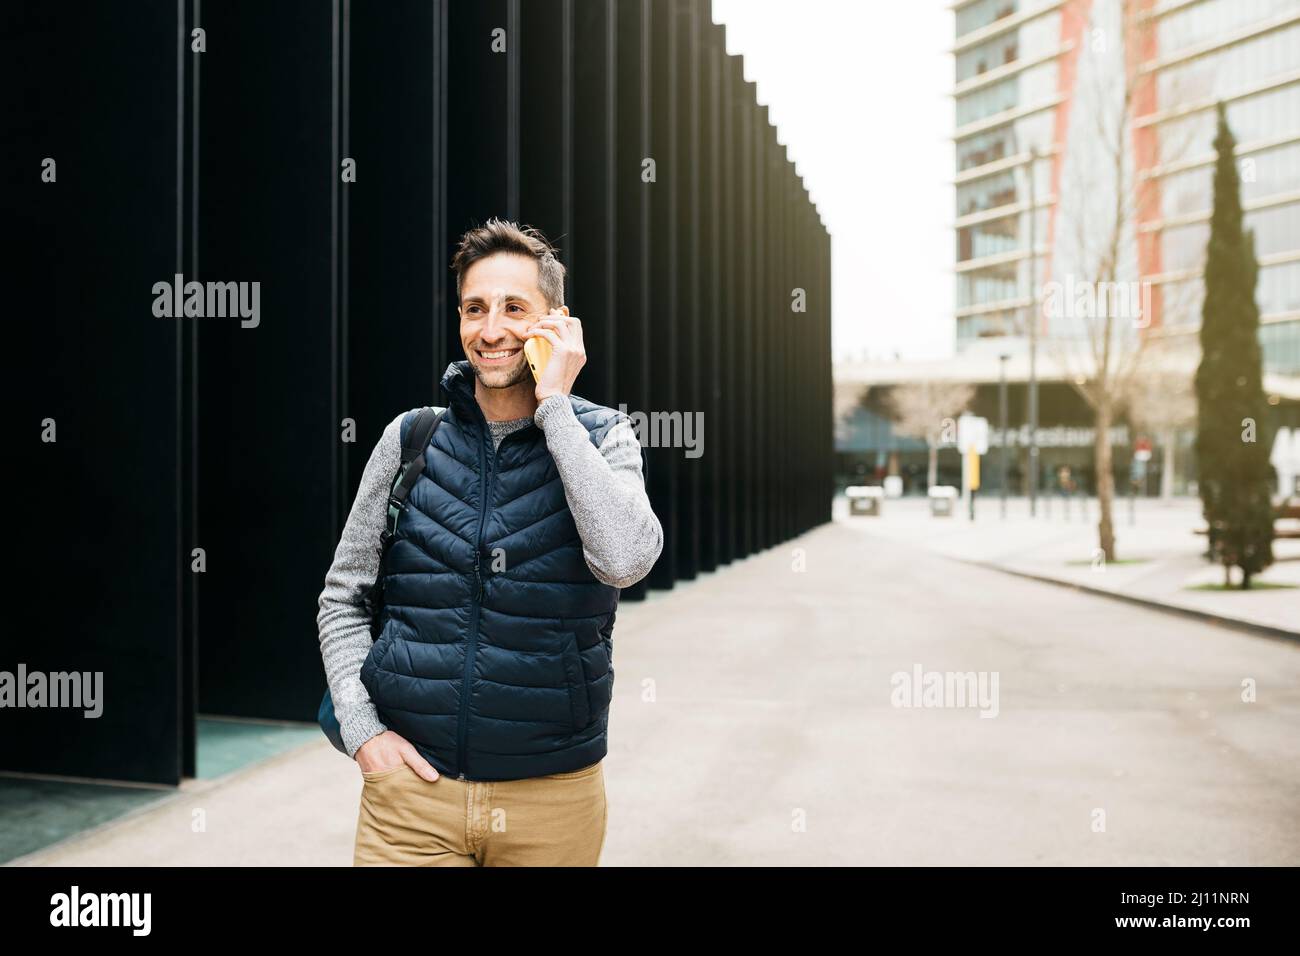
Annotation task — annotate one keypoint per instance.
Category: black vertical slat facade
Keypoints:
(249, 443)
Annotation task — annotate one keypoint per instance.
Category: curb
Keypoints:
(1236, 623)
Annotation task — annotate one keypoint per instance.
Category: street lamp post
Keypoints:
(1002, 415)
(1033, 338)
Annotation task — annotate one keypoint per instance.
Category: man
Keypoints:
(478, 717)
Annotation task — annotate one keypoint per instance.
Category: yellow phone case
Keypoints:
(538, 353)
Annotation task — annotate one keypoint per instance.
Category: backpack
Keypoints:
(417, 441)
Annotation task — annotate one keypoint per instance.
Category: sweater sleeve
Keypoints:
(605, 490)
(343, 622)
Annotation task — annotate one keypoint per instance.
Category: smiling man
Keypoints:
(478, 717)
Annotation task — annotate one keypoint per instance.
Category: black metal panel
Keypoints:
(806, 476)
(732, 376)
(787, 350)
(685, 315)
(771, 437)
(99, 546)
(748, 208)
(805, 336)
(722, 172)
(483, 125)
(664, 388)
(398, 307)
(711, 287)
(778, 308)
(791, 324)
(270, 407)
(632, 252)
(190, 62)
(761, 429)
(594, 231)
(544, 42)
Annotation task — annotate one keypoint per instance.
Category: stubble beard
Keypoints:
(503, 377)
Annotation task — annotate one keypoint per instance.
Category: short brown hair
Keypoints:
(499, 235)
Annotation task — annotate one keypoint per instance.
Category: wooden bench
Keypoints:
(1288, 509)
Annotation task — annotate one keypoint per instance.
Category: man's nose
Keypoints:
(494, 325)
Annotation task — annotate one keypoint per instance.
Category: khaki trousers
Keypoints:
(555, 820)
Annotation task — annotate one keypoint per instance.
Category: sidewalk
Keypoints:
(755, 722)
(1158, 556)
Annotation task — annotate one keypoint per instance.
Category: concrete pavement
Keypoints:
(1159, 553)
(753, 724)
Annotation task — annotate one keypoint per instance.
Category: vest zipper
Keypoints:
(462, 736)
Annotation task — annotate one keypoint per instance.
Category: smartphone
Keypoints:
(538, 352)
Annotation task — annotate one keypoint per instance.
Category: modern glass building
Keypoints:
(1014, 64)
(1022, 68)
(1247, 54)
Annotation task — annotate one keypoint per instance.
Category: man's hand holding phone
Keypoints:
(555, 374)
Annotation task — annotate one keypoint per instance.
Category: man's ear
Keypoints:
(564, 309)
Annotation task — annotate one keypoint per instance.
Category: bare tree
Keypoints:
(926, 410)
(1096, 311)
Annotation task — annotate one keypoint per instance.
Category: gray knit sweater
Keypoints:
(605, 490)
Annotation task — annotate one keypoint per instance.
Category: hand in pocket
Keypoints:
(390, 750)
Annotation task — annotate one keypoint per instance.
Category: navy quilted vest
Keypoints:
(495, 654)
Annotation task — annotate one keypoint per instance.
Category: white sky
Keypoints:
(860, 91)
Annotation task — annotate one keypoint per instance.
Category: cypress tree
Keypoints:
(1231, 451)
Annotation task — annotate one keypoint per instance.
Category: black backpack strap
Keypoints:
(417, 441)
